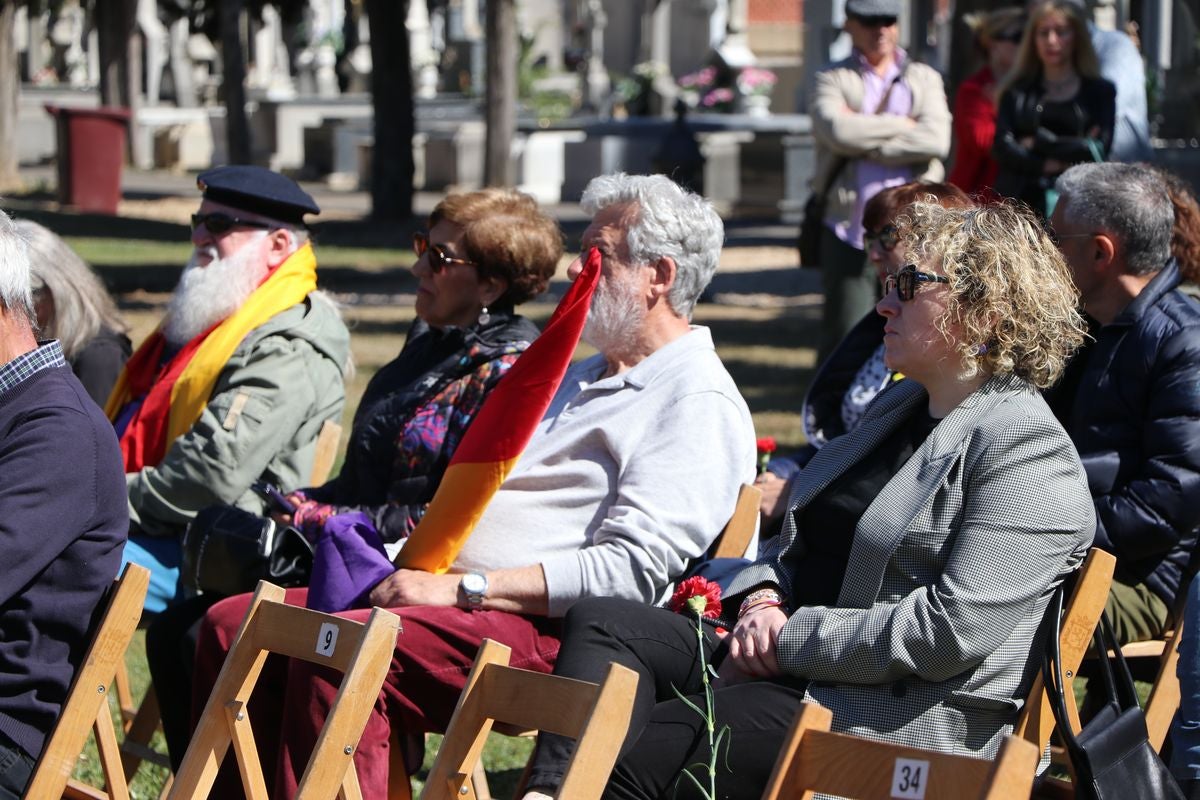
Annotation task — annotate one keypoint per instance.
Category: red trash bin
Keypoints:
(91, 151)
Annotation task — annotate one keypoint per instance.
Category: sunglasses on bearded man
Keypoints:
(218, 223)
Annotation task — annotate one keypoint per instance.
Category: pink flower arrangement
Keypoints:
(756, 81)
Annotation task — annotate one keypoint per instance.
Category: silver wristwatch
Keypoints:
(474, 587)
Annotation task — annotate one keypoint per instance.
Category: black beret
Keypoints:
(258, 190)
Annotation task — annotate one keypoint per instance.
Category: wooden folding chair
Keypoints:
(813, 759)
(1164, 697)
(596, 716)
(735, 538)
(141, 721)
(1080, 617)
(361, 651)
(86, 708)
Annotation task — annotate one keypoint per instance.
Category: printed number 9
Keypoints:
(328, 639)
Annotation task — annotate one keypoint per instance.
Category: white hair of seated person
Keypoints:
(16, 291)
(671, 223)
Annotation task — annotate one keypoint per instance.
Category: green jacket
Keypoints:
(280, 385)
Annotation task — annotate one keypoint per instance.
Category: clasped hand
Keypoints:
(752, 647)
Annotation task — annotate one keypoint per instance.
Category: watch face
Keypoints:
(474, 583)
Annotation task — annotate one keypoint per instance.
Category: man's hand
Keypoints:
(774, 495)
(752, 646)
(414, 587)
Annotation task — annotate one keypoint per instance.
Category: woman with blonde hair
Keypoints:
(919, 552)
(74, 307)
(1055, 109)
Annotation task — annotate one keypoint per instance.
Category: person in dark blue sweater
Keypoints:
(63, 522)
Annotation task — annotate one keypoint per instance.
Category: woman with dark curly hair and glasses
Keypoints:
(919, 551)
(484, 253)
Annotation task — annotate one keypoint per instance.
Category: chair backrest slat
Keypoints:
(597, 716)
(738, 532)
(1080, 617)
(815, 759)
(86, 708)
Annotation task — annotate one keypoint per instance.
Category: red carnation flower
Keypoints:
(766, 446)
(699, 595)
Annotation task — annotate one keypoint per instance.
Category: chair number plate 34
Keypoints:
(908, 779)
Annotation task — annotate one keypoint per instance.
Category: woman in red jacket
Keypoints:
(997, 34)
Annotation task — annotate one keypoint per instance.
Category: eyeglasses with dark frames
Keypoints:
(886, 237)
(906, 280)
(438, 260)
(218, 223)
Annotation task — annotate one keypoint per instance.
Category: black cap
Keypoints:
(257, 190)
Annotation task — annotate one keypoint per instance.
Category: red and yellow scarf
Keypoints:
(176, 392)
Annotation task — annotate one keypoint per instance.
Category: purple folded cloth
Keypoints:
(348, 561)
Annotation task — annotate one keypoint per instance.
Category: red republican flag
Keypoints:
(498, 435)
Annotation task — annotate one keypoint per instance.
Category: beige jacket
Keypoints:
(842, 129)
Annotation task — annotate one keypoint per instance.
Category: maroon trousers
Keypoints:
(434, 653)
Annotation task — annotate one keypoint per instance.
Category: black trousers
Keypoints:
(665, 735)
(171, 657)
(16, 769)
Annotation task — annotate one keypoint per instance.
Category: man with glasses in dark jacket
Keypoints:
(1131, 400)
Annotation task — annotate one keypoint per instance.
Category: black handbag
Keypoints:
(228, 551)
(1111, 757)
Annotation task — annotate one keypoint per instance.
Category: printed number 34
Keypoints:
(908, 779)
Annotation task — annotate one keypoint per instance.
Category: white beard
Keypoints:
(207, 295)
(616, 315)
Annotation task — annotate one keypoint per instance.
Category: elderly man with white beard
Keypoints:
(628, 478)
(237, 381)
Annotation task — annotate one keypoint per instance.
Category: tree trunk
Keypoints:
(233, 82)
(500, 113)
(115, 20)
(10, 87)
(392, 100)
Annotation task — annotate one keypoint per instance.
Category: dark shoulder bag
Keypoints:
(227, 551)
(809, 240)
(1111, 757)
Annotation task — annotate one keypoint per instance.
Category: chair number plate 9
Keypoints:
(909, 778)
(327, 641)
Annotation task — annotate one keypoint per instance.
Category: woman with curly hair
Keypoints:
(920, 550)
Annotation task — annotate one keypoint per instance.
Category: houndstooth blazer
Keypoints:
(931, 642)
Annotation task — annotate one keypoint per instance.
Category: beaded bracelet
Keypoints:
(760, 597)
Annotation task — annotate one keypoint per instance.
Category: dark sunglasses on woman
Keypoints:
(438, 260)
(218, 223)
(905, 282)
(886, 237)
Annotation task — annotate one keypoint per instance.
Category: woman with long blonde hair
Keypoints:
(1055, 109)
